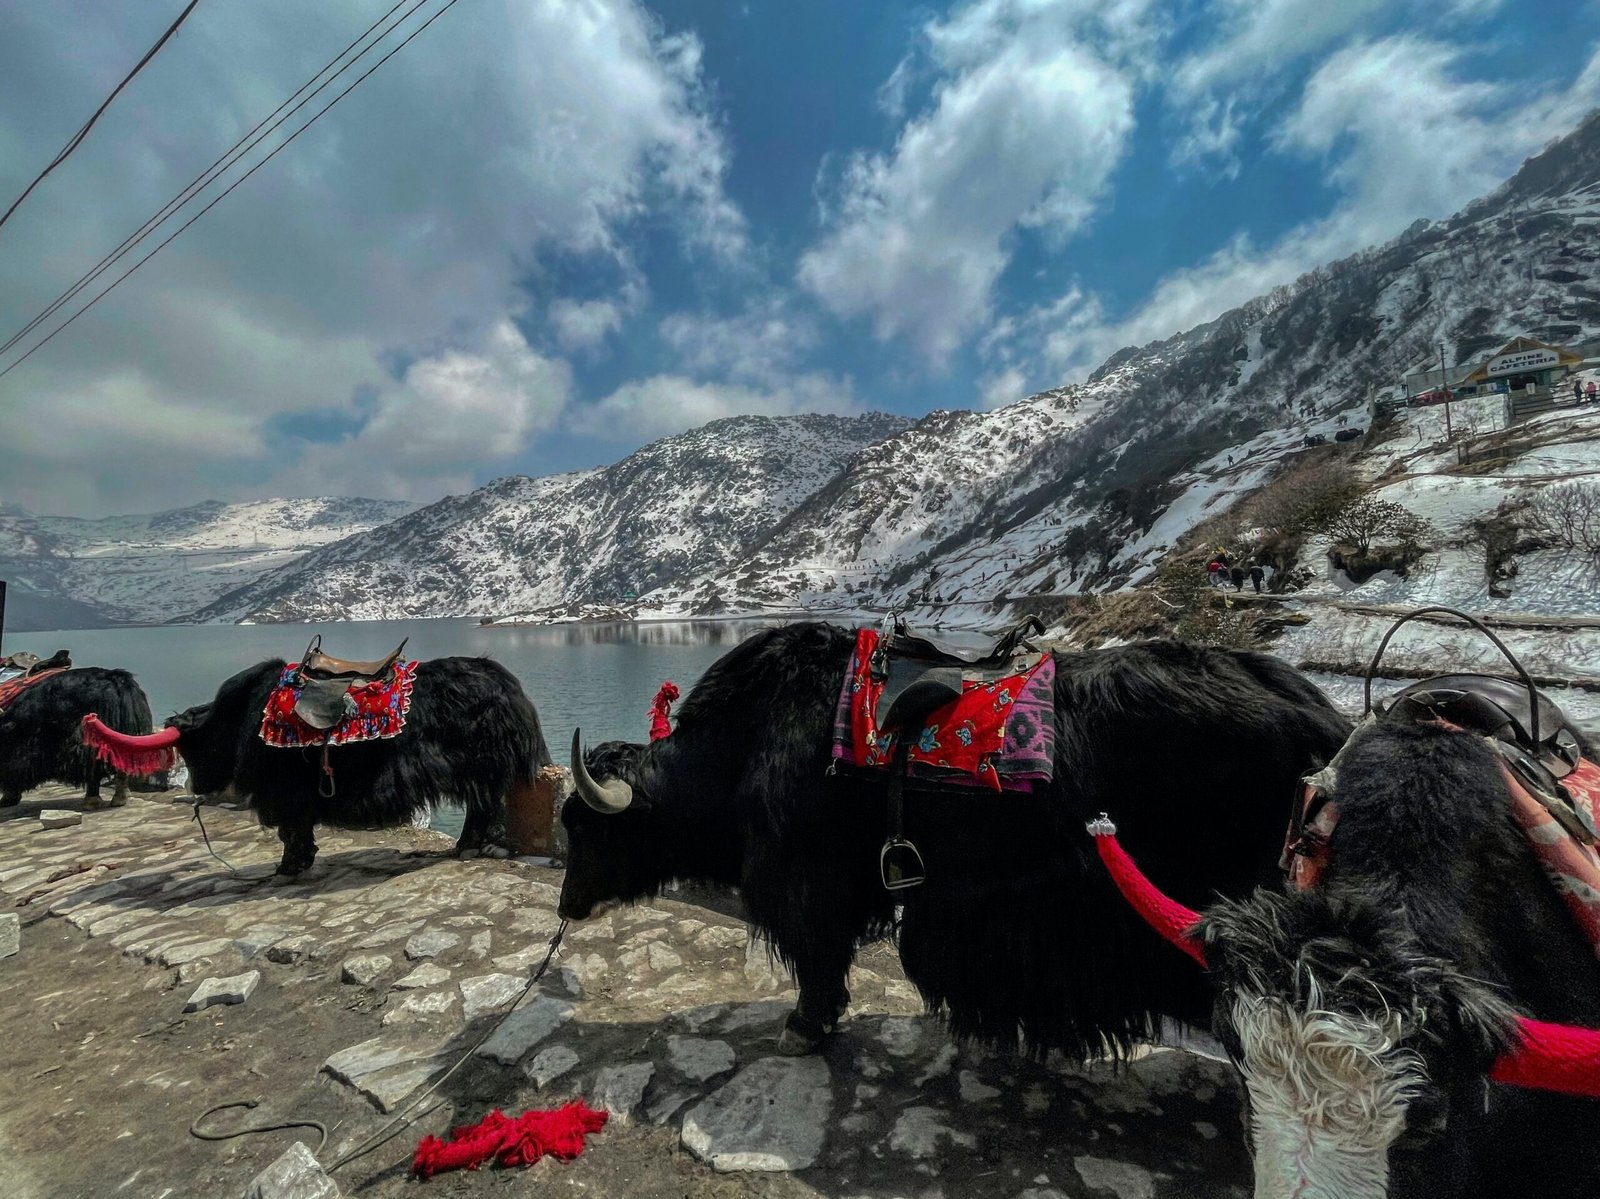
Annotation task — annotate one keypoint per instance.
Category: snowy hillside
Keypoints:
(687, 504)
(1085, 488)
(151, 568)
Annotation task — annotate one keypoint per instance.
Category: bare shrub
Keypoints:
(1302, 496)
(1568, 515)
(1366, 519)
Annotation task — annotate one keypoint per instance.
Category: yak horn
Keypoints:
(131, 753)
(614, 795)
(1168, 917)
(1552, 1057)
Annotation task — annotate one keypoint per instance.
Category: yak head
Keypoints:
(1363, 1058)
(611, 857)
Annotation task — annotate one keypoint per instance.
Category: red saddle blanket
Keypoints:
(999, 734)
(373, 710)
(12, 688)
(1573, 865)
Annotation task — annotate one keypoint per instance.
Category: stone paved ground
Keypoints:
(364, 980)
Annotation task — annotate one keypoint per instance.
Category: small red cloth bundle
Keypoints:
(661, 709)
(510, 1140)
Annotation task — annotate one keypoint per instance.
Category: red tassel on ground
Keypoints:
(660, 709)
(510, 1140)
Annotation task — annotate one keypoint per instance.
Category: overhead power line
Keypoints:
(206, 177)
(226, 192)
(76, 138)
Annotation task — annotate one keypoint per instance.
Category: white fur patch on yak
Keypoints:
(1328, 1097)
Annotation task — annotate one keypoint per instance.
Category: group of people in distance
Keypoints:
(1584, 395)
(1222, 571)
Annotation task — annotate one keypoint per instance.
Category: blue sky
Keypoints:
(550, 231)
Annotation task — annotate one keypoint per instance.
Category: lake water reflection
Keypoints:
(597, 676)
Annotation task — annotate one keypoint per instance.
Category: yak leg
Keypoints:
(91, 790)
(119, 794)
(816, 936)
(299, 847)
(10, 799)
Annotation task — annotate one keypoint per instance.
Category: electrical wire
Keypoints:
(37, 346)
(76, 139)
(206, 177)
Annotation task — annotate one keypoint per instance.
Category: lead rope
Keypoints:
(207, 839)
(402, 1117)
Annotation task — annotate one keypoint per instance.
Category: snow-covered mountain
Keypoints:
(68, 572)
(1085, 487)
(687, 504)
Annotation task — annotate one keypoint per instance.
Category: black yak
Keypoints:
(1016, 931)
(39, 739)
(471, 736)
(1418, 1019)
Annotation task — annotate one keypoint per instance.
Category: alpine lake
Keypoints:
(598, 677)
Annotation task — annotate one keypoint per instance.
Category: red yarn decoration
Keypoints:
(1552, 1057)
(1167, 916)
(510, 1140)
(131, 753)
(660, 709)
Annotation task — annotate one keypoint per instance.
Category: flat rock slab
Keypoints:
(10, 934)
(235, 989)
(525, 1028)
(430, 943)
(386, 1071)
(699, 1059)
(364, 969)
(488, 992)
(59, 818)
(295, 1175)
(620, 1089)
(550, 1064)
(194, 951)
(425, 975)
(772, 1115)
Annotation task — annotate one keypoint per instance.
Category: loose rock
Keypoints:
(57, 818)
(430, 943)
(620, 1089)
(1122, 1179)
(699, 1059)
(549, 1064)
(235, 989)
(488, 992)
(425, 975)
(10, 934)
(295, 1175)
(770, 1116)
(525, 1028)
(364, 969)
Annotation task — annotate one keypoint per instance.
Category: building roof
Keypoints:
(1532, 348)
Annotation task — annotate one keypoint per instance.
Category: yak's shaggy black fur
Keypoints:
(1433, 909)
(470, 736)
(39, 739)
(1017, 930)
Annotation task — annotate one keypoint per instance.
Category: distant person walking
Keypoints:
(1238, 578)
(1577, 391)
(1591, 390)
(1256, 575)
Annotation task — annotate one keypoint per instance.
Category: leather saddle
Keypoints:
(325, 681)
(1497, 708)
(921, 675)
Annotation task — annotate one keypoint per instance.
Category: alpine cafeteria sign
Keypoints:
(1523, 360)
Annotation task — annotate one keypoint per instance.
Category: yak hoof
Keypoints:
(93, 803)
(801, 1036)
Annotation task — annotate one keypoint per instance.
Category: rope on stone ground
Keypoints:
(402, 1117)
(194, 1129)
(207, 840)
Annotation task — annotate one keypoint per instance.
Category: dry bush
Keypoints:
(1306, 494)
(1568, 515)
(1200, 611)
(1093, 620)
(1364, 520)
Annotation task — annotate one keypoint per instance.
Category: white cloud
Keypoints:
(584, 325)
(1027, 120)
(413, 215)
(446, 417)
(661, 405)
(760, 344)
(1396, 126)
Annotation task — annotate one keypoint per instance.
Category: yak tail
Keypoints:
(126, 710)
